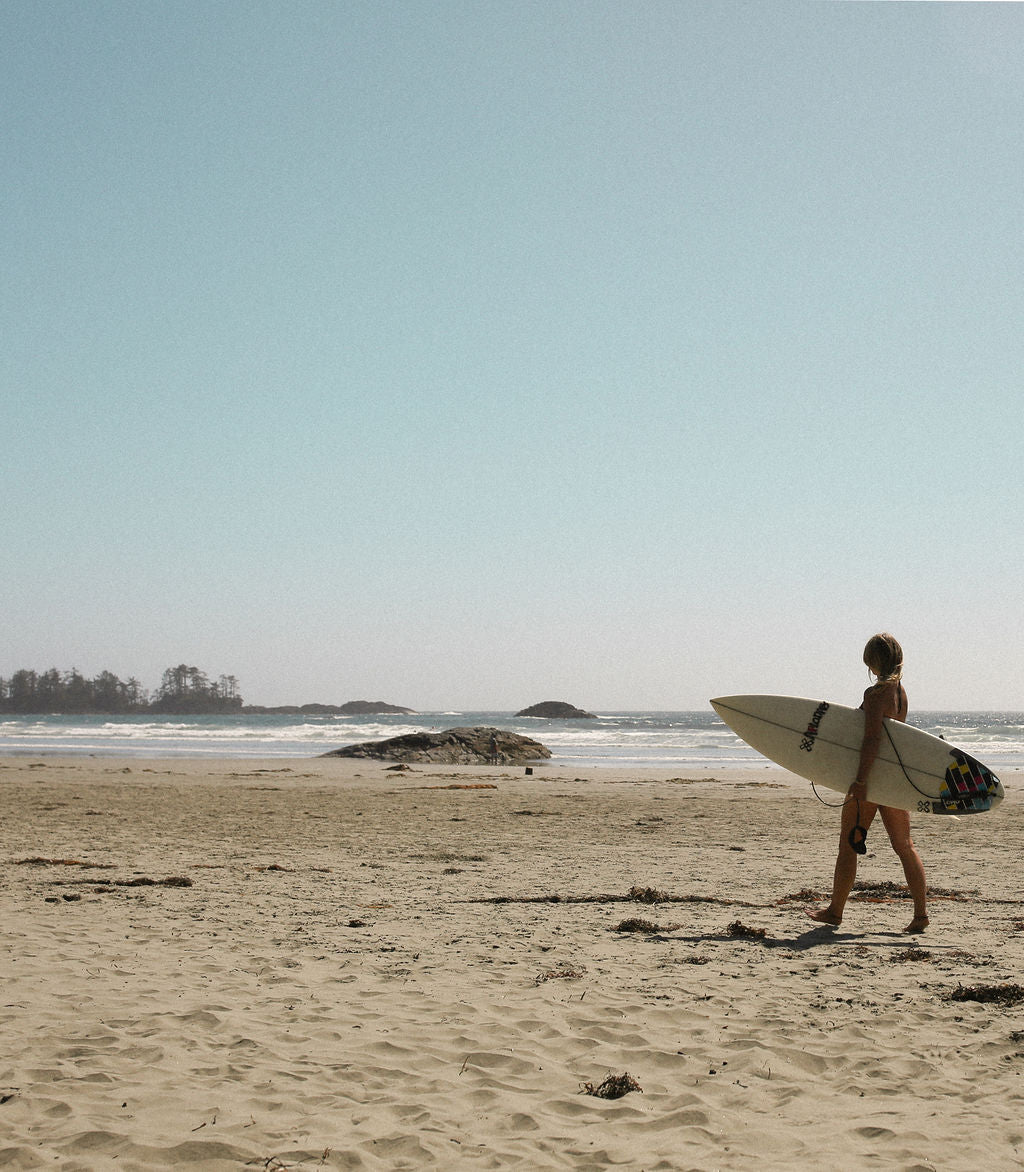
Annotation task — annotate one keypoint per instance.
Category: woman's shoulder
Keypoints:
(886, 695)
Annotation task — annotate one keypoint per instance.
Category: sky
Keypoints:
(470, 354)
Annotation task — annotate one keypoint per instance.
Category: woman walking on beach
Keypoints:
(885, 698)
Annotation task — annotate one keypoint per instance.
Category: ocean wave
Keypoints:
(684, 739)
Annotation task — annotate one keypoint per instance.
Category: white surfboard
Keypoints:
(821, 741)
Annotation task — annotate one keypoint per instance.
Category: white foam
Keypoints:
(697, 740)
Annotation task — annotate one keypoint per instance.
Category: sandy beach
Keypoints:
(329, 964)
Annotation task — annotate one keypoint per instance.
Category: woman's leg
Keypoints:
(897, 825)
(854, 814)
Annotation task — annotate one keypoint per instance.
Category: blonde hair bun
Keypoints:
(884, 656)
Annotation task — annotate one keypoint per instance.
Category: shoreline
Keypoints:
(347, 769)
(329, 963)
(344, 767)
(343, 772)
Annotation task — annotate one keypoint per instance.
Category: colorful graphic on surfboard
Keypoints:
(821, 741)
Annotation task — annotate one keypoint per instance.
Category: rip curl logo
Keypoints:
(811, 734)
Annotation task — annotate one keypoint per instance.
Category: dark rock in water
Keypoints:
(452, 746)
(371, 708)
(557, 710)
(352, 708)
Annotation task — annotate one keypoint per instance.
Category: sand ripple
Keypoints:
(353, 1007)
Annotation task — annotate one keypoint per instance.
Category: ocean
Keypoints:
(663, 740)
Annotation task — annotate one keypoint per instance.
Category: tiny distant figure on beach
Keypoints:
(885, 698)
(495, 755)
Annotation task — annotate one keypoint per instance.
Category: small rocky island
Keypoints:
(451, 746)
(373, 708)
(351, 708)
(557, 710)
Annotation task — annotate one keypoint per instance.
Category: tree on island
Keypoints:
(187, 690)
(184, 690)
(70, 692)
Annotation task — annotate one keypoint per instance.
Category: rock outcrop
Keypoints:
(352, 708)
(372, 708)
(557, 710)
(451, 746)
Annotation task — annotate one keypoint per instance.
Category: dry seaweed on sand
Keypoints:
(39, 861)
(645, 927)
(562, 972)
(875, 891)
(647, 894)
(991, 994)
(636, 894)
(964, 957)
(910, 954)
(804, 895)
(462, 785)
(884, 890)
(613, 1087)
(451, 857)
(740, 931)
(637, 925)
(141, 881)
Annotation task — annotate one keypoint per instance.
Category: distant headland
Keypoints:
(183, 691)
(350, 708)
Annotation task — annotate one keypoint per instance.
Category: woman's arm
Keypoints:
(877, 702)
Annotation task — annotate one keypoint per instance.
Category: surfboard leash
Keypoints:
(831, 805)
(858, 836)
(914, 787)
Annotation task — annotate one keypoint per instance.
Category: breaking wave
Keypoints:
(685, 739)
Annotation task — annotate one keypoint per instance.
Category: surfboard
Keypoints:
(821, 741)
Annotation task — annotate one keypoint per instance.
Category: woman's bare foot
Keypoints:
(917, 924)
(825, 917)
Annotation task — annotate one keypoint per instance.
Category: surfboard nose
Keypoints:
(730, 704)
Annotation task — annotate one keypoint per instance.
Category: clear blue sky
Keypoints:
(469, 354)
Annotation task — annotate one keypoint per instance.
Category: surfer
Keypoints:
(885, 698)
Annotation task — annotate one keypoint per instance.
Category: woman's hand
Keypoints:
(859, 791)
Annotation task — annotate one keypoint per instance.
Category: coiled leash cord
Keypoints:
(859, 844)
(858, 836)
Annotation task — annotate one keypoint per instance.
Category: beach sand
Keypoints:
(359, 968)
